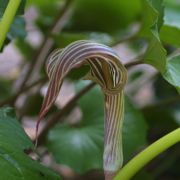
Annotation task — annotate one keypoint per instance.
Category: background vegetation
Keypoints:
(145, 33)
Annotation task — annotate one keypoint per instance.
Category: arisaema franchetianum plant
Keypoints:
(106, 70)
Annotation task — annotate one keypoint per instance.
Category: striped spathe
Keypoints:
(106, 70)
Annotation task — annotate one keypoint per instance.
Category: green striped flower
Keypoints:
(106, 70)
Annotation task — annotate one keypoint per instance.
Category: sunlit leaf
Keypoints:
(170, 32)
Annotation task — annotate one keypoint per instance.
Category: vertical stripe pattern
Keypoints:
(106, 70)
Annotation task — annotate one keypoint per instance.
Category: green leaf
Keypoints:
(80, 146)
(172, 73)
(134, 130)
(170, 32)
(152, 14)
(78, 73)
(14, 163)
(103, 15)
(172, 17)
(162, 89)
(161, 119)
(10, 129)
(151, 23)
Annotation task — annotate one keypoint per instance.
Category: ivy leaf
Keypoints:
(14, 163)
(80, 146)
(172, 73)
(153, 12)
(170, 32)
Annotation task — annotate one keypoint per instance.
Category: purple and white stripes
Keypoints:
(106, 70)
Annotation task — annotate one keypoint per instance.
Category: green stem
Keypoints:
(134, 165)
(7, 19)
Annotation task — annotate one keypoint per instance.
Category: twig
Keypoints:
(46, 45)
(11, 99)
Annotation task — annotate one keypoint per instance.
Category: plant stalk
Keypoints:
(140, 160)
(7, 19)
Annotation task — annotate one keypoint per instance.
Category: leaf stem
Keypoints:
(135, 164)
(7, 19)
